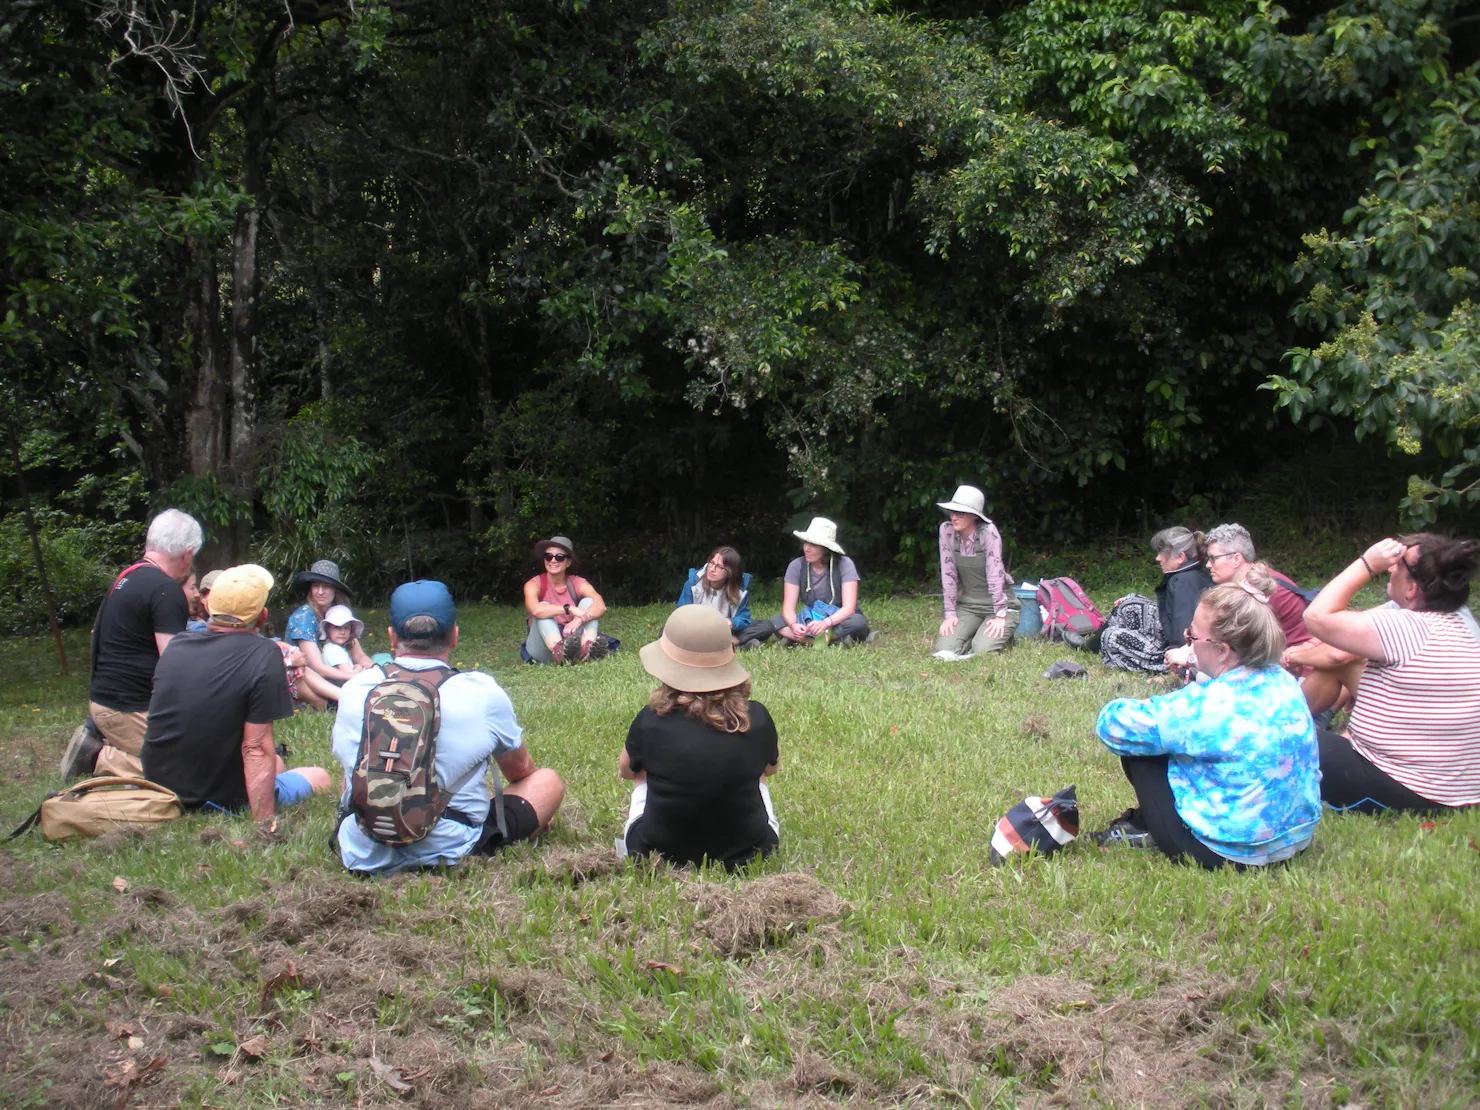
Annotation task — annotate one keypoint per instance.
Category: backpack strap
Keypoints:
(30, 822)
(98, 620)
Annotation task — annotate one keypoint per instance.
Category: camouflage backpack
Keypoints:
(394, 792)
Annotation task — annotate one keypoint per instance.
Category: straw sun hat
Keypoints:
(822, 532)
(695, 653)
(968, 499)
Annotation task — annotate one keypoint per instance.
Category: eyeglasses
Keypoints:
(1191, 639)
(1221, 555)
(556, 556)
(1406, 563)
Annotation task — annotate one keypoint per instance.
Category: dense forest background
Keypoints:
(409, 284)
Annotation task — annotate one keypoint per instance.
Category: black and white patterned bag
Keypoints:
(1132, 639)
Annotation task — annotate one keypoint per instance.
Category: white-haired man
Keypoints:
(145, 608)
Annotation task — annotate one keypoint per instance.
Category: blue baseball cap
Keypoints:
(423, 598)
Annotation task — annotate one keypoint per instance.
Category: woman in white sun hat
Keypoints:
(819, 595)
(700, 751)
(981, 607)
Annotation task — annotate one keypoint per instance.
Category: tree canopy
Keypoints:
(412, 283)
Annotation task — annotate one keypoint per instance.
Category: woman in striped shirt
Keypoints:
(1413, 742)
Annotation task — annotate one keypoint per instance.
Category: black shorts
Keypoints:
(520, 819)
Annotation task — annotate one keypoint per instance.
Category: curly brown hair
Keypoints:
(722, 710)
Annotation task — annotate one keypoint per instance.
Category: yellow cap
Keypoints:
(239, 595)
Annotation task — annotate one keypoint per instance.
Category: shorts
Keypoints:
(520, 819)
(290, 789)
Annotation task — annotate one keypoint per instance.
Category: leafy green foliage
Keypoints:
(1396, 295)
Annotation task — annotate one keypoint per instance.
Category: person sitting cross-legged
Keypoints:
(700, 751)
(478, 728)
(216, 696)
(1227, 770)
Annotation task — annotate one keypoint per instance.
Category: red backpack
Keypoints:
(1069, 614)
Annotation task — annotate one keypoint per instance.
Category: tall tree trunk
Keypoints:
(204, 402)
(246, 289)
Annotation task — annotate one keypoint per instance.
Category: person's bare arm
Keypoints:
(259, 764)
(789, 595)
(516, 764)
(358, 659)
(162, 640)
(540, 610)
(313, 658)
(598, 603)
(624, 767)
(771, 770)
(1328, 617)
(846, 610)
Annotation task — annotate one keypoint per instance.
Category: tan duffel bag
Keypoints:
(100, 805)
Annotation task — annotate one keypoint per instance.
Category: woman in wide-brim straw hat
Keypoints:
(700, 751)
(819, 595)
(563, 608)
(981, 607)
(325, 588)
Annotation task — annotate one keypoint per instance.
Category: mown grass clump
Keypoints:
(877, 959)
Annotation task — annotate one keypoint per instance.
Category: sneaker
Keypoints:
(557, 653)
(81, 756)
(595, 651)
(571, 649)
(951, 656)
(873, 634)
(1126, 831)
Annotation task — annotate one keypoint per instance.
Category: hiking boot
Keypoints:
(81, 756)
(1126, 831)
(557, 653)
(571, 650)
(596, 650)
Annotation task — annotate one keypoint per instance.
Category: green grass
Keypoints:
(1103, 978)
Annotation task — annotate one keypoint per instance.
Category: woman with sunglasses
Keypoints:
(563, 609)
(1227, 770)
(1413, 740)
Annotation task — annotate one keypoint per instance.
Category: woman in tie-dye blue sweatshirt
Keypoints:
(1225, 771)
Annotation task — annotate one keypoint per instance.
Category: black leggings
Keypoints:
(1352, 784)
(1148, 775)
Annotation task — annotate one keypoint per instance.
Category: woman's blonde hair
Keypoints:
(722, 710)
(1240, 616)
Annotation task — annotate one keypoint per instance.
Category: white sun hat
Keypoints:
(968, 499)
(822, 532)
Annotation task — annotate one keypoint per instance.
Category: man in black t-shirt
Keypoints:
(216, 696)
(139, 615)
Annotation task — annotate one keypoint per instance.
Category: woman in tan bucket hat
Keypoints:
(700, 751)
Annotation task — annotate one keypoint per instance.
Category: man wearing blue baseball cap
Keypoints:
(477, 726)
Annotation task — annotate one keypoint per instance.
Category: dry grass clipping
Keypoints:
(743, 920)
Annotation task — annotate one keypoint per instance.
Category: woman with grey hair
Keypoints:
(1179, 554)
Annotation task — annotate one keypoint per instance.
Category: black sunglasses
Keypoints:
(556, 556)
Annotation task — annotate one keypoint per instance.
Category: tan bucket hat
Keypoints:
(695, 653)
(822, 532)
(968, 499)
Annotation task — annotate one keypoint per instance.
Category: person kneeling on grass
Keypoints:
(700, 751)
(1413, 741)
(1225, 771)
(477, 726)
(216, 696)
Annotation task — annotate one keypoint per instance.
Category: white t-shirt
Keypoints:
(335, 655)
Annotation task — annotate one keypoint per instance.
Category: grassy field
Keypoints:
(878, 959)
